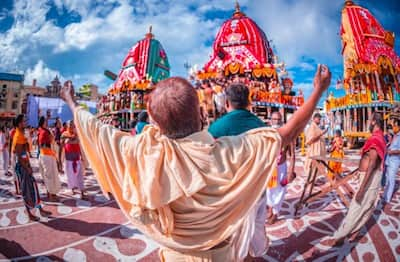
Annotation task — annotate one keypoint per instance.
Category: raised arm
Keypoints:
(104, 146)
(299, 120)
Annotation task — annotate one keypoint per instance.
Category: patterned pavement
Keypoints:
(96, 230)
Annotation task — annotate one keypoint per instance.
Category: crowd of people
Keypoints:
(203, 192)
(58, 152)
(212, 97)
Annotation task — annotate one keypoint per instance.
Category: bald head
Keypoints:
(174, 106)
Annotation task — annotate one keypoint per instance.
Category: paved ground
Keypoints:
(96, 230)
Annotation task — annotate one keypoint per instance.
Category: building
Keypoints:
(53, 90)
(34, 90)
(94, 93)
(11, 86)
(30, 90)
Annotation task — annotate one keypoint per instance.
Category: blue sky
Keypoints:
(79, 39)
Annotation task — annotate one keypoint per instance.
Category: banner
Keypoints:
(56, 107)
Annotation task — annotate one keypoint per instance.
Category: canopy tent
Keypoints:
(39, 106)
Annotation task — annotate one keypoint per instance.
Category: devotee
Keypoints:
(132, 126)
(276, 187)
(64, 127)
(57, 139)
(12, 158)
(238, 120)
(47, 160)
(392, 161)
(365, 199)
(143, 120)
(336, 151)
(23, 170)
(314, 141)
(73, 159)
(176, 183)
(219, 101)
(4, 150)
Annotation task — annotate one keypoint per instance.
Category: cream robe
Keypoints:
(187, 194)
(315, 149)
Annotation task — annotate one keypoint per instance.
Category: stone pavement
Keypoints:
(96, 230)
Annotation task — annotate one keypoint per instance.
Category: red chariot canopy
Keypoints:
(240, 45)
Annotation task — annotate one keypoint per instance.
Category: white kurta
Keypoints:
(276, 195)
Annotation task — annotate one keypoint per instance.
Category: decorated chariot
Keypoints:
(371, 73)
(145, 65)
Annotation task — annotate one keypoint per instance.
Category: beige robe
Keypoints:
(315, 149)
(187, 194)
(359, 213)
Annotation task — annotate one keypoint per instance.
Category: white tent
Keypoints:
(39, 106)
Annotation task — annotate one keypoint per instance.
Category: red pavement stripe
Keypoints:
(71, 244)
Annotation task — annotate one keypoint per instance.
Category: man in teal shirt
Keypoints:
(237, 121)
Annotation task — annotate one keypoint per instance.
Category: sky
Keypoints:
(79, 39)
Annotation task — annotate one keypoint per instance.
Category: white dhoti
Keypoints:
(4, 160)
(276, 194)
(12, 165)
(74, 174)
(252, 238)
(48, 169)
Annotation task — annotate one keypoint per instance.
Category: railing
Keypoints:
(354, 99)
(278, 98)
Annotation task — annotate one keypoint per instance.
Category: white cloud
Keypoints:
(42, 74)
(108, 29)
(80, 35)
(4, 13)
(81, 7)
(306, 66)
(300, 28)
(48, 34)
(29, 16)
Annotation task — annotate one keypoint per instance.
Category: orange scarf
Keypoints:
(273, 181)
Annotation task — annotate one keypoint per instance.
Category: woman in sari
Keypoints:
(73, 159)
(336, 151)
(25, 181)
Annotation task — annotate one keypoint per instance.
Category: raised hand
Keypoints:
(67, 92)
(322, 78)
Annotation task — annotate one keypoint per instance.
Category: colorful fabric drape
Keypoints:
(27, 187)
